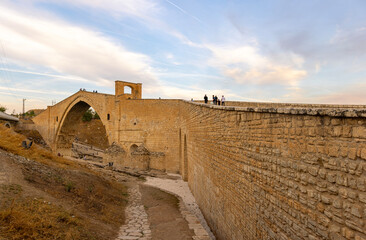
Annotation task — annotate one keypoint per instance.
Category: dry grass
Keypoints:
(11, 142)
(95, 205)
(38, 219)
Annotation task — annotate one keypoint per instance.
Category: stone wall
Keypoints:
(127, 122)
(155, 124)
(257, 170)
(268, 173)
(284, 105)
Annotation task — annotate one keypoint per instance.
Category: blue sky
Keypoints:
(278, 51)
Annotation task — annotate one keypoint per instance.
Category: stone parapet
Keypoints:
(327, 110)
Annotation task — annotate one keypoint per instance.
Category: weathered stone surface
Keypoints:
(257, 170)
(137, 226)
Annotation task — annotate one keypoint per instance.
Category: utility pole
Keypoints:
(24, 106)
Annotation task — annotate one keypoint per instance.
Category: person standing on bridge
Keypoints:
(223, 100)
(206, 99)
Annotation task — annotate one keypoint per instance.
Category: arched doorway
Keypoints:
(185, 161)
(133, 148)
(81, 128)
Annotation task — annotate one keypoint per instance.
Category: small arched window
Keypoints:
(108, 116)
(133, 148)
(57, 119)
(127, 90)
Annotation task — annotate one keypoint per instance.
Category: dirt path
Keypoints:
(188, 206)
(166, 221)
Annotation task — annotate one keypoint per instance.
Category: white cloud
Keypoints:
(55, 76)
(169, 56)
(13, 101)
(143, 9)
(70, 50)
(229, 55)
(271, 74)
(188, 75)
(352, 94)
(173, 92)
(26, 90)
(245, 64)
(349, 42)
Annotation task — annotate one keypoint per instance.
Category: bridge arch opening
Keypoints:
(82, 132)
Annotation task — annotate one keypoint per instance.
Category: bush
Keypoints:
(96, 116)
(88, 116)
(3, 109)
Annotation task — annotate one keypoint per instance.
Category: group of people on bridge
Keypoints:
(215, 100)
(83, 89)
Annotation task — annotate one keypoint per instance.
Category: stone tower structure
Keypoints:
(135, 90)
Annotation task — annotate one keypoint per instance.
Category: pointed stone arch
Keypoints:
(64, 137)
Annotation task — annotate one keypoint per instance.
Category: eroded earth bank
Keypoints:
(43, 196)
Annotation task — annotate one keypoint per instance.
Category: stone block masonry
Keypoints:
(270, 173)
(257, 170)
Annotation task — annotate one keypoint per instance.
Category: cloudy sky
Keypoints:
(260, 50)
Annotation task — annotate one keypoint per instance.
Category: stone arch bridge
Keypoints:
(257, 170)
(56, 123)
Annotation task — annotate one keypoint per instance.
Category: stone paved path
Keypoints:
(137, 226)
(193, 223)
